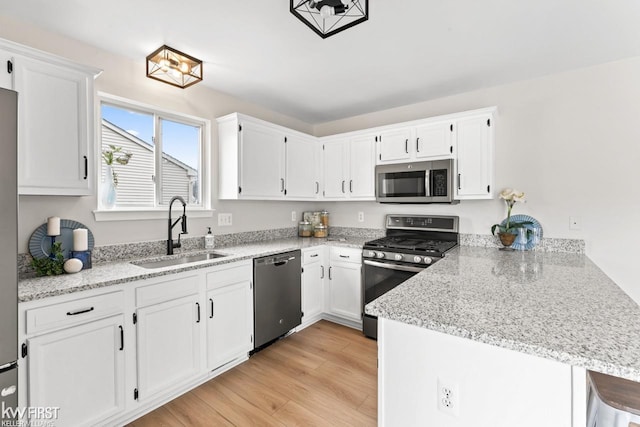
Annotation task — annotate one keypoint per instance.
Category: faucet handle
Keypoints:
(184, 224)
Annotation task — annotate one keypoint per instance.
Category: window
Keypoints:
(167, 156)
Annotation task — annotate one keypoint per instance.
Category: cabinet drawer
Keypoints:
(230, 273)
(74, 312)
(167, 289)
(346, 254)
(311, 255)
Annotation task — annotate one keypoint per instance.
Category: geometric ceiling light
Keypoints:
(174, 67)
(328, 17)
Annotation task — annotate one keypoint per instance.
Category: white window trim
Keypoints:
(142, 213)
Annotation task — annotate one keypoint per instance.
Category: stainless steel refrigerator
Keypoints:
(8, 253)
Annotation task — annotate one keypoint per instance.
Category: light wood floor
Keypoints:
(324, 375)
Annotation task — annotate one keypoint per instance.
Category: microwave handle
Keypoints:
(427, 183)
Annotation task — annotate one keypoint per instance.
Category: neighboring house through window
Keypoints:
(167, 155)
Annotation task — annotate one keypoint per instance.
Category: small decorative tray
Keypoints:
(40, 243)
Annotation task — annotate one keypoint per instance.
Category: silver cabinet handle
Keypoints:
(329, 273)
(81, 311)
(322, 267)
(211, 301)
(317, 187)
(343, 185)
(417, 145)
(345, 256)
(406, 146)
(313, 256)
(459, 182)
(282, 185)
(350, 186)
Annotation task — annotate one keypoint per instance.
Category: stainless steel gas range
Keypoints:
(412, 243)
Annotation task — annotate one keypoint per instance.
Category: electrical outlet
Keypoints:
(360, 216)
(225, 219)
(574, 223)
(294, 216)
(448, 397)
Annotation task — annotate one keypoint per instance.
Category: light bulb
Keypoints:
(326, 11)
(184, 67)
(346, 2)
(176, 73)
(164, 64)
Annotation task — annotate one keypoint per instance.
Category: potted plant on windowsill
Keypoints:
(116, 154)
(508, 230)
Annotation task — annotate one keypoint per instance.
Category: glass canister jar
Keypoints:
(320, 230)
(324, 218)
(305, 229)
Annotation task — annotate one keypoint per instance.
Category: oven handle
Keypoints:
(394, 266)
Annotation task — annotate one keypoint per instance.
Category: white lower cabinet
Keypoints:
(229, 314)
(345, 283)
(80, 370)
(168, 344)
(313, 274)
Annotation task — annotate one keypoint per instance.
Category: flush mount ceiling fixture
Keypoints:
(328, 17)
(174, 67)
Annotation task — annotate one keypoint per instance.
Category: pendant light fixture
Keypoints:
(174, 67)
(328, 17)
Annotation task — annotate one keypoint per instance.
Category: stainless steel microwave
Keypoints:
(417, 182)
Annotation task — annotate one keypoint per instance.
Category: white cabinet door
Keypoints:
(168, 345)
(55, 128)
(434, 140)
(262, 161)
(475, 158)
(80, 370)
(335, 169)
(345, 290)
(395, 145)
(229, 323)
(313, 286)
(6, 66)
(304, 157)
(362, 162)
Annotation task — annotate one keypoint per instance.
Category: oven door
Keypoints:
(379, 278)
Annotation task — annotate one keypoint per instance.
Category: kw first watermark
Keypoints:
(30, 416)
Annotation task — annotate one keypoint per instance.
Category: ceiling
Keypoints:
(408, 51)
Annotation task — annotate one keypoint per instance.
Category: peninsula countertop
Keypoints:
(113, 273)
(558, 306)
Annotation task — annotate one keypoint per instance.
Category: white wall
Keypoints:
(571, 141)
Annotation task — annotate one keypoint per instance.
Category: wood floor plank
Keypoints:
(160, 417)
(324, 375)
(192, 411)
(232, 406)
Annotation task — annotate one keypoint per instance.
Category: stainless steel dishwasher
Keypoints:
(277, 301)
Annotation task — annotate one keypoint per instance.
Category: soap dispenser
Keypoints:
(209, 240)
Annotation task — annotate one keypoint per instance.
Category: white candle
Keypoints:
(80, 239)
(53, 226)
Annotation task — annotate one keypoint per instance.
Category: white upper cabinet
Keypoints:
(434, 140)
(474, 138)
(6, 67)
(395, 145)
(349, 168)
(262, 161)
(304, 172)
(55, 121)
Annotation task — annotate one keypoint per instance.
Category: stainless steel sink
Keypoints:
(179, 261)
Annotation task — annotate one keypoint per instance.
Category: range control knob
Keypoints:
(398, 257)
(427, 260)
(371, 254)
(417, 259)
(379, 254)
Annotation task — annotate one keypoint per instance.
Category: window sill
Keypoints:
(136, 214)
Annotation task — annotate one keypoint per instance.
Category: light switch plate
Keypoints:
(225, 219)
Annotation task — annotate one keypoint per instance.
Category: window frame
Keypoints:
(158, 211)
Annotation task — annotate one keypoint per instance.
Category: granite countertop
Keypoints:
(114, 273)
(558, 306)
